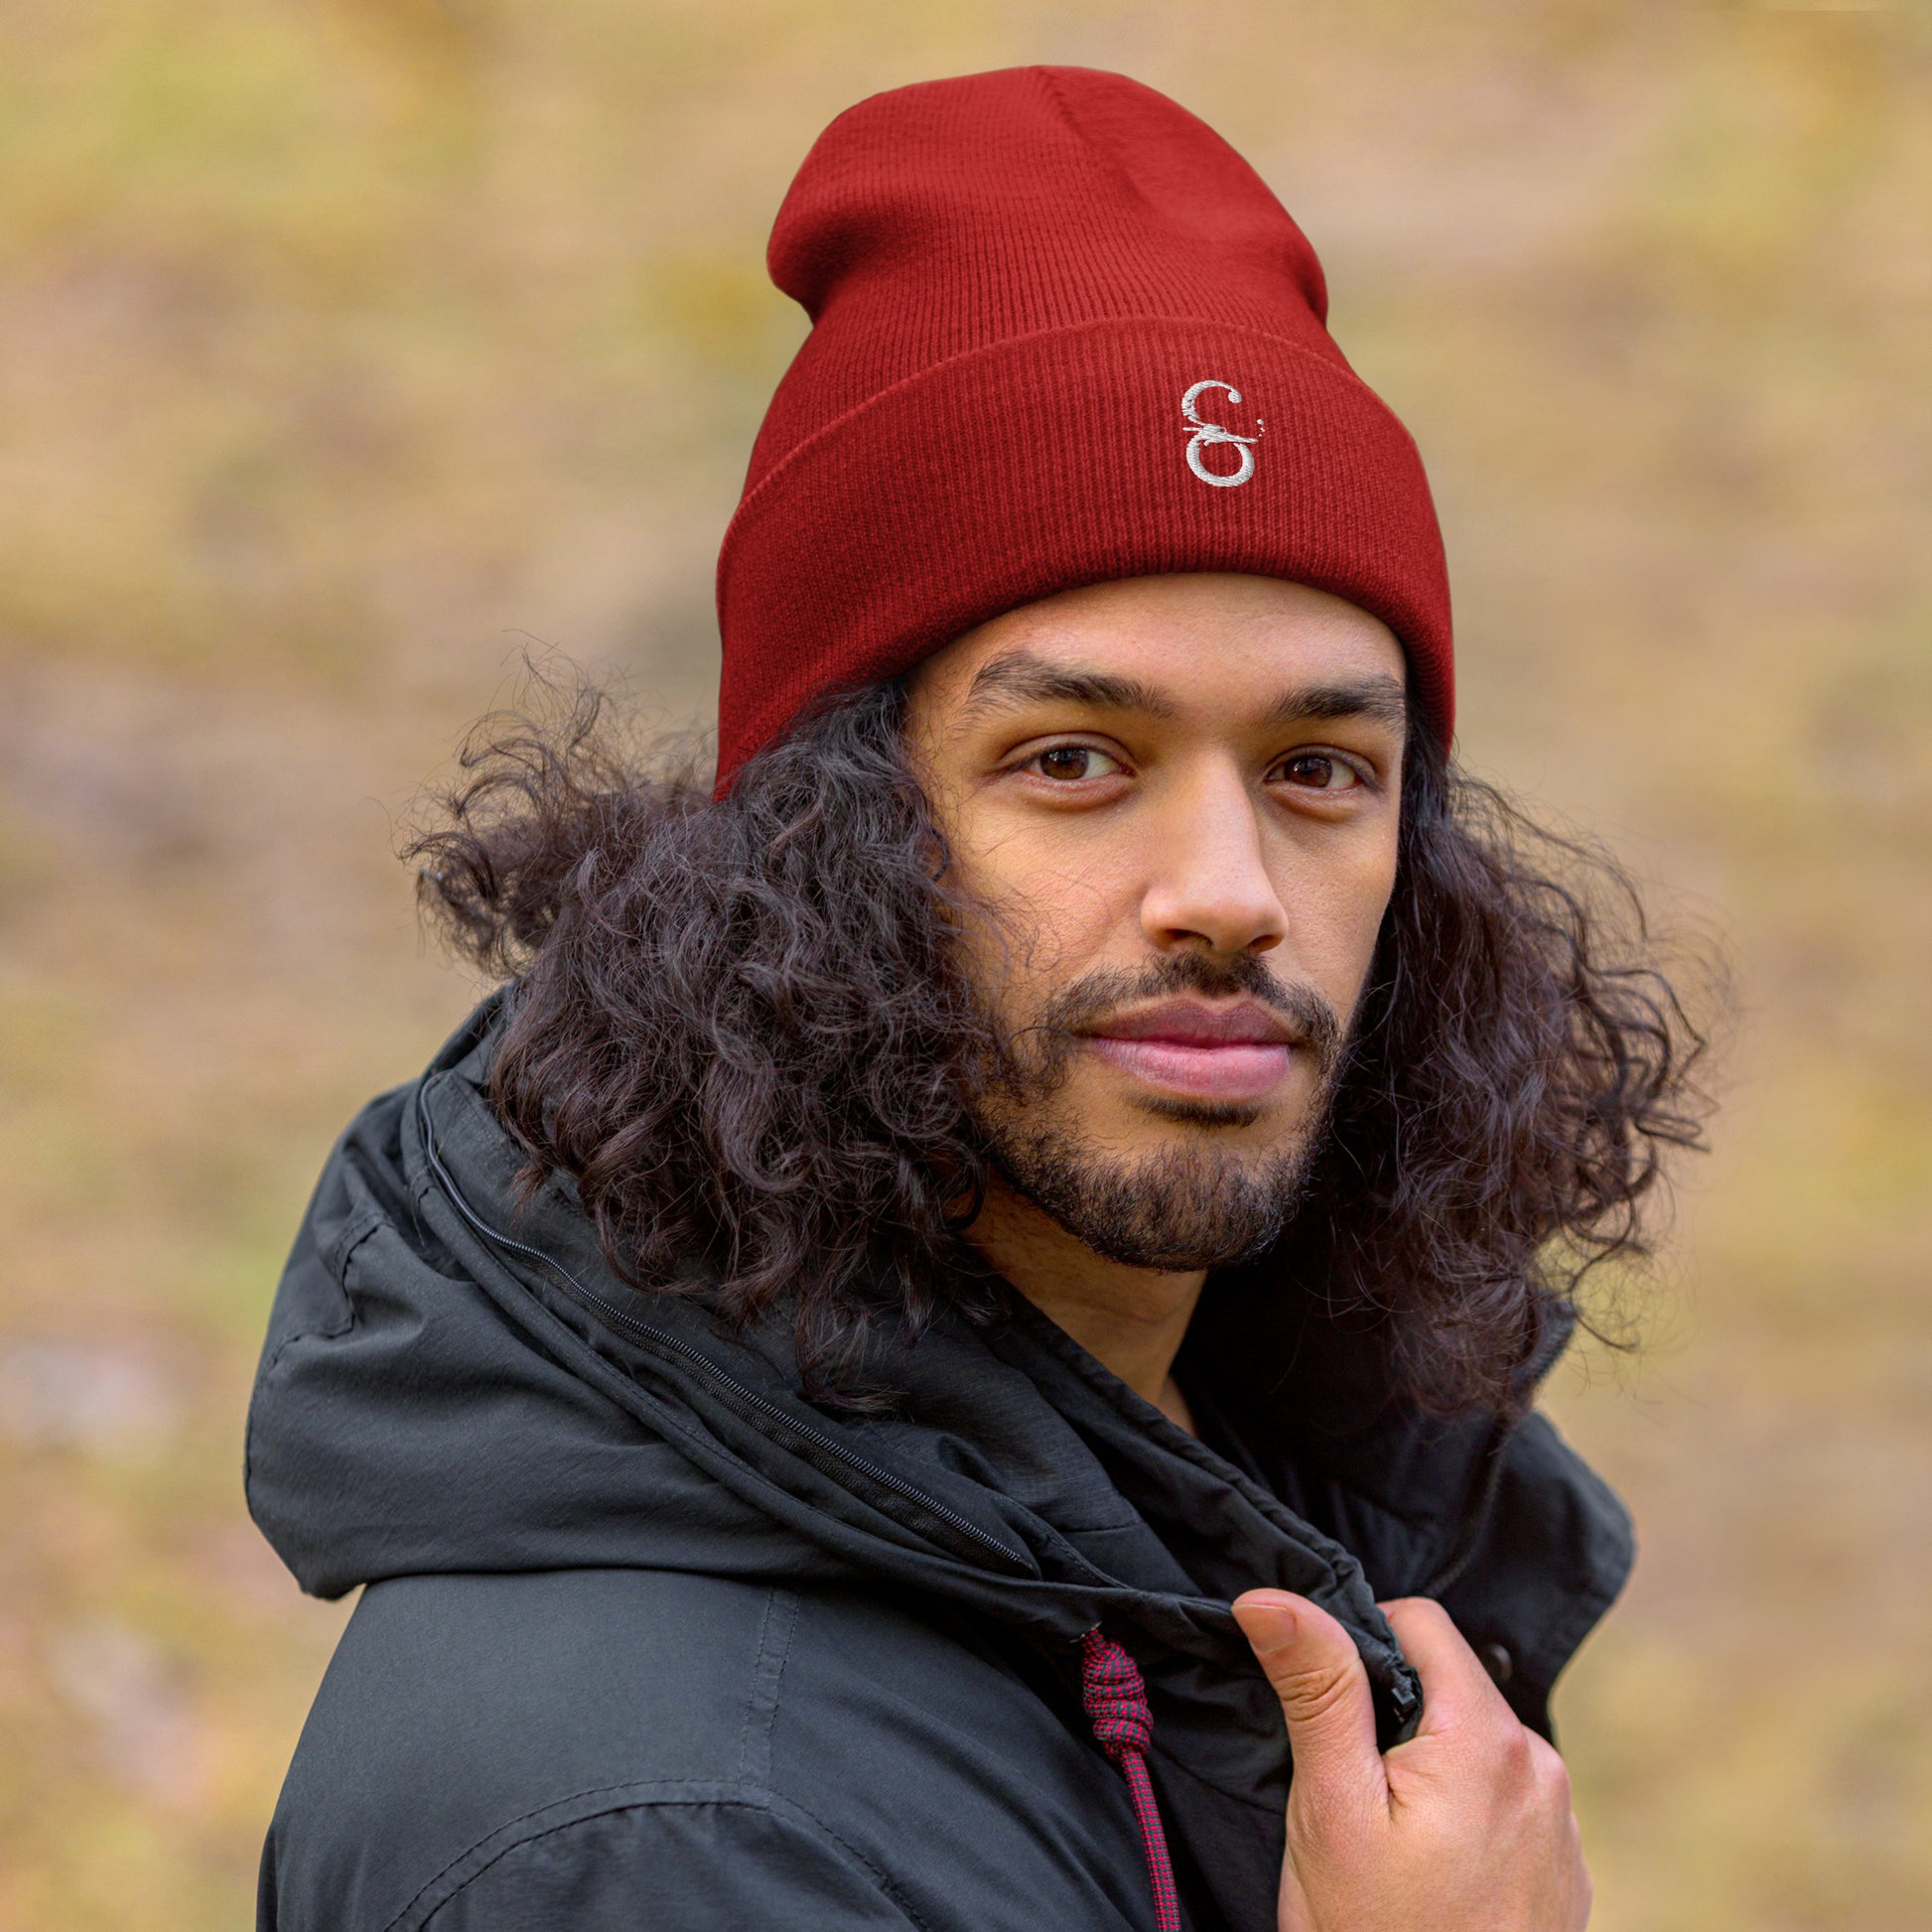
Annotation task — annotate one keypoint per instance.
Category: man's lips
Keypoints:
(1189, 1024)
(1230, 1053)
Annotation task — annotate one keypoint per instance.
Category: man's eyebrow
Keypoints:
(1019, 677)
(1381, 698)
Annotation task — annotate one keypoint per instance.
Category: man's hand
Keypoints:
(1465, 1828)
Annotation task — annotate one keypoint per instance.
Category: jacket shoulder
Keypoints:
(643, 1748)
(461, 1709)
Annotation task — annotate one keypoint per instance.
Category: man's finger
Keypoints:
(1456, 1689)
(1312, 1664)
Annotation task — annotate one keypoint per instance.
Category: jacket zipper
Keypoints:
(661, 1338)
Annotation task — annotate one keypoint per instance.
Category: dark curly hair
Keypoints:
(740, 1026)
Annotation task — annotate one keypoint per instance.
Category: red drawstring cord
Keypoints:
(1116, 1699)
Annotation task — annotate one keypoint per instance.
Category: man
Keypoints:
(880, 1381)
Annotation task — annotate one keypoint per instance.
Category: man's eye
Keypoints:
(1073, 761)
(1315, 771)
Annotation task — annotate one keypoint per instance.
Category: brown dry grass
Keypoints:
(342, 345)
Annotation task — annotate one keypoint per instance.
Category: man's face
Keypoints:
(1179, 797)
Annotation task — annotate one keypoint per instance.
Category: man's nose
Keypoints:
(1208, 881)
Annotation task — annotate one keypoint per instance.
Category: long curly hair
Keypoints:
(740, 1025)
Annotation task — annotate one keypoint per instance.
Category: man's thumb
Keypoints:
(1313, 1663)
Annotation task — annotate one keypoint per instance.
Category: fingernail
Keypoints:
(1285, 1626)
(1268, 1619)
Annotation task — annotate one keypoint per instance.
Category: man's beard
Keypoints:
(1195, 1205)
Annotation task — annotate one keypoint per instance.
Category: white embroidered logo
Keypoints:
(1203, 435)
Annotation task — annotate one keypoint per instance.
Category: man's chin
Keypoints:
(1187, 1203)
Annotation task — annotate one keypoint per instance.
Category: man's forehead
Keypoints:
(1173, 628)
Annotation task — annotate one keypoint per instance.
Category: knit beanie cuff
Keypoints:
(1042, 461)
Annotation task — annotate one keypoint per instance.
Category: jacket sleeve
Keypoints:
(667, 1864)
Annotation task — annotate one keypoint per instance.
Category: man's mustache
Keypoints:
(1075, 1009)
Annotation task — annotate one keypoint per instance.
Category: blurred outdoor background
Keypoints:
(349, 348)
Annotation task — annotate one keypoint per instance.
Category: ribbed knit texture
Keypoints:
(1014, 280)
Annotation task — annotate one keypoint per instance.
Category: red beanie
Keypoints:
(1062, 333)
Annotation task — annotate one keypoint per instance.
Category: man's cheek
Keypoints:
(1356, 932)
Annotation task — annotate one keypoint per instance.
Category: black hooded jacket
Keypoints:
(648, 1640)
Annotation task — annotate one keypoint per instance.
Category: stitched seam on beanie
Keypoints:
(1104, 156)
(796, 454)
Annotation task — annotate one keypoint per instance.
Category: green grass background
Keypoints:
(346, 348)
